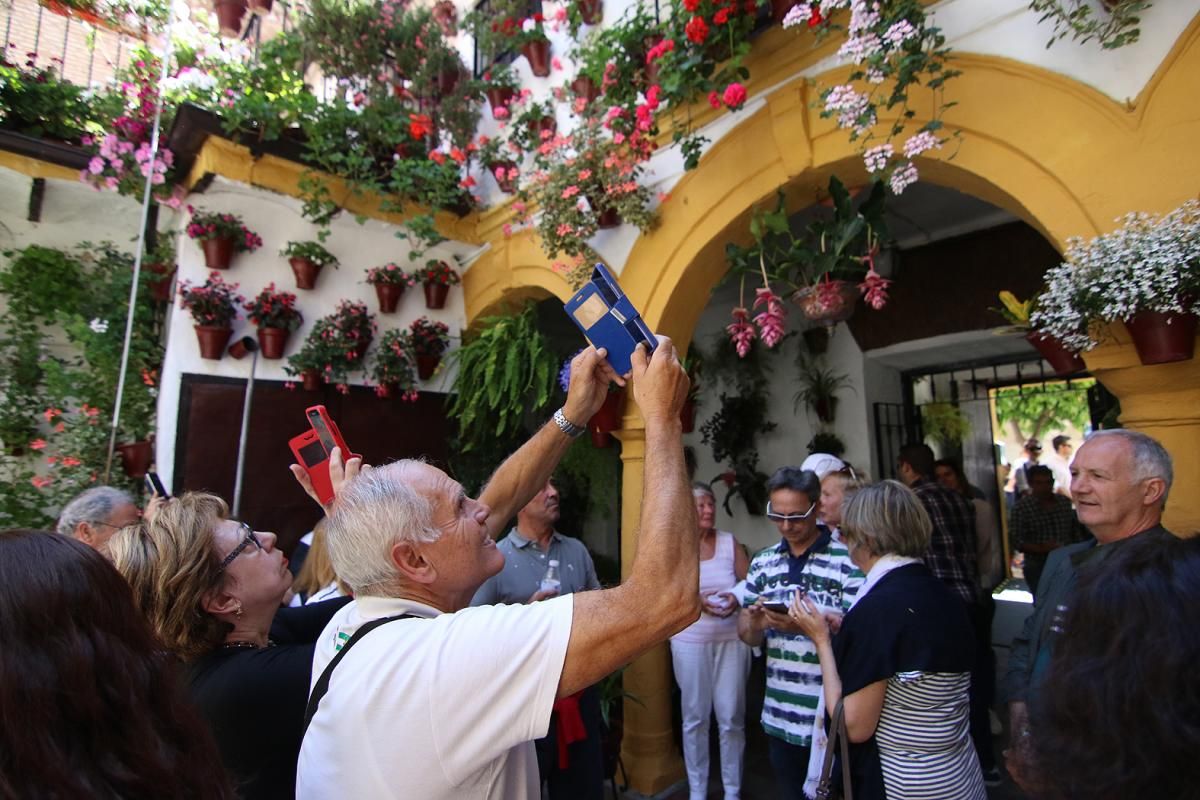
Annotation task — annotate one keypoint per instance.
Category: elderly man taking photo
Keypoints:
(1119, 480)
(444, 701)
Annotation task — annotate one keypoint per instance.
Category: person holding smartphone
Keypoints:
(806, 560)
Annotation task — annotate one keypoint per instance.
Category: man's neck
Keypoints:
(801, 547)
(1150, 518)
(538, 534)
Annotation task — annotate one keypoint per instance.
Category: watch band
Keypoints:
(566, 426)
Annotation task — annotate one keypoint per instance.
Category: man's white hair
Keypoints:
(94, 506)
(374, 512)
(1150, 458)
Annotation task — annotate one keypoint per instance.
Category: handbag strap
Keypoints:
(838, 738)
(322, 684)
(844, 736)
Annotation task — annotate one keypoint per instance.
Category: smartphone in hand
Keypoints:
(155, 486)
(609, 319)
(312, 449)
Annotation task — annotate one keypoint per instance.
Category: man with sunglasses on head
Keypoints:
(807, 559)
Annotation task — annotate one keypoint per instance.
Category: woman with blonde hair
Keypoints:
(211, 588)
(316, 580)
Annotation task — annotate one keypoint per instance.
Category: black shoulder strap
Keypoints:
(322, 684)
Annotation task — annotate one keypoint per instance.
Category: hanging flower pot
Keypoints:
(503, 171)
(427, 365)
(385, 391)
(160, 287)
(607, 419)
(1163, 338)
(825, 408)
(435, 295)
(272, 342)
(229, 15)
(389, 295)
(447, 80)
(311, 379)
(608, 218)
(687, 415)
(1062, 360)
(537, 53)
(218, 252)
(359, 351)
(829, 302)
(306, 272)
(212, 341)
(261, 7)
(547, 125)
(136, 457)
(499, 97)
(651, 68)
(585, 87)
(590, 11)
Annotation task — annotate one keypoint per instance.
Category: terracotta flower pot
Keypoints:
(590, 10)
(212, 340)
(389, 295)
(218, 253)
(435, 295)
(1062, 360)
(136, 457)
(502, 171)
(359, 352)
(306, 272)
(447, 80)
(261, 6)
(229, 15)
(607, 419)
(272, 342)
(385, 391)
(780, 9)
(650, 68)
(499, 97)
(547, 125)
(687, 416)
(426, 366)
(537, 53)
(825, 408)
(160, 287)
(1163, 338)
(311, 380)
(585, 87)
(608, 218)
(829, 304)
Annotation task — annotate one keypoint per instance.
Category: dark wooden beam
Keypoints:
(37, 193)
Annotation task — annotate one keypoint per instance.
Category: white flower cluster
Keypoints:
(1150, 263)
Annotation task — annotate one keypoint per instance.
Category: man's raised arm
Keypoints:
(661, 596)
(525, 472)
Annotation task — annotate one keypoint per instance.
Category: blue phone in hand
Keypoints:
(608, 319)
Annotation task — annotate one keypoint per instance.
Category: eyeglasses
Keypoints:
(249, 539)
(771, 515)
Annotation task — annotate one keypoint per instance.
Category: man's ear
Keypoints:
(86, 534)
(412, 564)
(1155, 492)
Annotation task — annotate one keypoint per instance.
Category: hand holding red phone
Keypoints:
(321, 452)
(339, 473)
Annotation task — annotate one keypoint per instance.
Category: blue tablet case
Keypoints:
(608, 319)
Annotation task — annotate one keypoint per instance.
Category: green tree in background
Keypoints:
(1028, 411)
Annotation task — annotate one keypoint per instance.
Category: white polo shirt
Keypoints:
(446, 706)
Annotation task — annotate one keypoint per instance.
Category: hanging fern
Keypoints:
(505, 372)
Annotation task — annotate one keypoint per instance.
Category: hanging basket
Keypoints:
(830, 302)
(591, 11)
(385, 391)
(136, 457)
(389, 295)
(306, 272)
(212, 341)
(502, 172)
(359, 351)
(1061, 360)
(272, 342)
(1163, 338)
(218, 253)
(499, 97)
(160, 287)
(229, 16)
(608, 219)
(547, 125)
(585, 87)
(537, 53)
(427, 365)
(311, 380)
(435, 295)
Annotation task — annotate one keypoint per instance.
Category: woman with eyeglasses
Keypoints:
(901, 660)
(212, 588)
(710, 662)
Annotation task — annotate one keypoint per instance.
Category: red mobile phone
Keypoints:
(312, 449)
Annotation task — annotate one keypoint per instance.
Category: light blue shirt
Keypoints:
(525, 565)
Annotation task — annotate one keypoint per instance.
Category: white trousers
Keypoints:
(712, 677)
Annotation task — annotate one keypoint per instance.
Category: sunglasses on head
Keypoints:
(775, 517)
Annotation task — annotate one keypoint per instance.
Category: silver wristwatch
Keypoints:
(566, 426)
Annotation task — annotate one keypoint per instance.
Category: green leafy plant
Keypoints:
(731, 432)
(336, 345)
(390, 274)
(428, 337)
(819, 386)
(206, 225)
(1015, 312)
(439, 272)
(945, 422)
(495, 27)
(1115, 26)
(213, 303)
(274, 309)
(826, 442)
(393, 365)
(37, 102)
(313, 251)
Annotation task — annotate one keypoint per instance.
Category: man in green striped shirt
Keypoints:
(806, 559)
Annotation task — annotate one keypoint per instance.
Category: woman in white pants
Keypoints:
(711, 663)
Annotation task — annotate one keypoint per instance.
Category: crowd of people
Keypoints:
(423, 651)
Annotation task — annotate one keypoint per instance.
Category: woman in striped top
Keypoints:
(901, 660)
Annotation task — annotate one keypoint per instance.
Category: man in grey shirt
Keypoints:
(576, 770)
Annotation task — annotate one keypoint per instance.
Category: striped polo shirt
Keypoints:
(826, 573)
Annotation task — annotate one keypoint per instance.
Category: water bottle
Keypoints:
(550, 581)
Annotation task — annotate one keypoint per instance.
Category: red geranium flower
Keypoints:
(697, 30)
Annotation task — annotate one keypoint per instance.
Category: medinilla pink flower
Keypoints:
(874, 289)
(741, 332)
(773, 321)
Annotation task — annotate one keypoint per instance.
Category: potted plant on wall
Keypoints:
(392, 366)
(354, 328)
(313, 362)
(307, 259)
(534, 44)
(221, 236)
(335, 347)
(389, 281)
(1017, 314)
(213, 306)
(275, 315)
(731, 432)
(429, 341)
(819, 386)
(437, 277)
(159, 261)
(1145, 274)
(500, 86)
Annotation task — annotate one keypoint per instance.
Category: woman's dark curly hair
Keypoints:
(1118, 716)
(90, 706)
